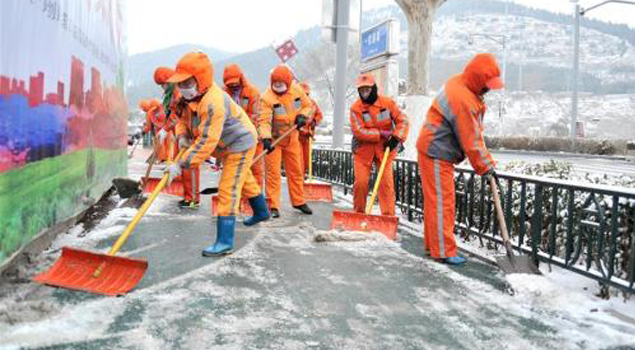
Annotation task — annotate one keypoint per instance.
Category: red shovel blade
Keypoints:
(318, 192)
(75, 270)
(352, 221)
(175, 188)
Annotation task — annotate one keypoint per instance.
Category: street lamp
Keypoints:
(579, 12)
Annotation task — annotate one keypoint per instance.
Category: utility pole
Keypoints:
(339, 112)
(574, 77)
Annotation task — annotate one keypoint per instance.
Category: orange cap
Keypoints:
(305, 86)
(162, 74)
(197, 65)
(232, 75)
(282, 73)
(153, 104)
(365, 79)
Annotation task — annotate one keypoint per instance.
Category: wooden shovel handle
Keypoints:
(499, 210)
(282, 137)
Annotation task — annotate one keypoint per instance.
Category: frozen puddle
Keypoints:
(284, 290)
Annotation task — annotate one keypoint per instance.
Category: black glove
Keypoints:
(300, 120)
(266, 143)
(392, 143)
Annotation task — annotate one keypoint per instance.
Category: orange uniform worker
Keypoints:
(155, 119)
(452, 131)
(308, 131)
(376, 123)
(284, 105)
(217, 125)
(171, 97)
(247, 96)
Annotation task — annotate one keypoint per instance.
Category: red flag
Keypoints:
(286, 50)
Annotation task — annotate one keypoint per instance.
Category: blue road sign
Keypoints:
(375, 41)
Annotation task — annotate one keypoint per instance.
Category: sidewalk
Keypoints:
(283, 290)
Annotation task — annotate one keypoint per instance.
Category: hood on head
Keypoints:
(197, 65)
(482, 71)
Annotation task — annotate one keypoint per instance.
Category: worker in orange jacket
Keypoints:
(155, 119)
(284, 105)
(377, 124)
(211, 123)
(191, 177)
(247, 96)
(452, 131)
(308, 131)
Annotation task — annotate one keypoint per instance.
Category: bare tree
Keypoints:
(318, 68)
(420, 15)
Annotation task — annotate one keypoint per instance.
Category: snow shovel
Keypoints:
(134, 148)
(386, 225)
(126, 187)
(150, 183)
(509, 263)
(98, 273)
(313, 191)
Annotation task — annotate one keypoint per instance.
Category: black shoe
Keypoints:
(275, 213)
(189, 204)
(305, 209)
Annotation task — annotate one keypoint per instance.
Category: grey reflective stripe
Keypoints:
(445, 144)
(360, 128)
(437, 183)
(234, 194)
(297, 103)
(201, 142)
(366, 117)
(194, 179)
(279, 110)
(383, 115)
(235, 136)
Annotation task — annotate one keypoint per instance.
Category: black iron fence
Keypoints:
(587, 229)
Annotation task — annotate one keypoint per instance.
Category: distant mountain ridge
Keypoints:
(258, 63)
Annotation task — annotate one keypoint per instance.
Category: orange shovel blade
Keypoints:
(317, 192)
(352, 221)
(175, 188)
(75, 270)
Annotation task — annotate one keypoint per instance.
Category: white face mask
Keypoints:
(189, 93)
(279, 87)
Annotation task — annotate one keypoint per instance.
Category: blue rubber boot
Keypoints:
(259, 207)
(455, 260)
(224, 237)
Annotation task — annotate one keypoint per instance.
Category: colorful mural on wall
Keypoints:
(62, 111)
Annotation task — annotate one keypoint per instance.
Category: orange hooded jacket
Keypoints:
(214, 122)
(454, 124)
(249, 97)
(280, 111)
(367, 120)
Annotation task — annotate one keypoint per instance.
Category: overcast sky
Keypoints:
(245, 25)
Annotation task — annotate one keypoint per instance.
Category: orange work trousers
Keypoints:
(437, 182)
(236, 179)
(363, 158)
(258, 168)
(191, 184)
(292, 153)
(304, 142)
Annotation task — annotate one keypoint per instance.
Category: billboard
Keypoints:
(63, 115)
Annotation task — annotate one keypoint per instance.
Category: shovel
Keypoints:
(126, 187)
(386, 225)
(134, 148)
(150, 183)
(509, 263)
(98, 273)
(318, 192)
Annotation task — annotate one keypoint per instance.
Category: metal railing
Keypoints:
(587, 229)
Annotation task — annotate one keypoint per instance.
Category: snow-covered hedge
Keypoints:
(556, 144)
